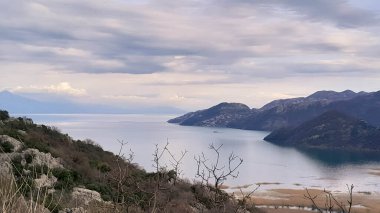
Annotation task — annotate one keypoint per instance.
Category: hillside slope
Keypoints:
(59, 174)
(330, 130)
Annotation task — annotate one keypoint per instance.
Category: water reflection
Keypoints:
(341, 157)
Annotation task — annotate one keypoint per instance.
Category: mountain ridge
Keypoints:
(287, 112)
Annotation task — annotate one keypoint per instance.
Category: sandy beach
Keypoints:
(294, 201)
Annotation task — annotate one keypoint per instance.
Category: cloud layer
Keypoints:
(188, 52)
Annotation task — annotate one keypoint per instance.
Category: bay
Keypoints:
(271, 165)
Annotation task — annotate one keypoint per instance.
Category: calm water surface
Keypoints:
(263, 162)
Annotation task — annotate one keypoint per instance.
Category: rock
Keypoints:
(23, 162)
(5, 168)
(26, 172)
(85, 195)
(17, 145)
(45, 181)
(22, 132)
(73, 210)
(40, 158)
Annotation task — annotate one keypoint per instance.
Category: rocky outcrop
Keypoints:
(45, 181)
(41, 158)
(85, 196)
(30, 157)
(17, 145)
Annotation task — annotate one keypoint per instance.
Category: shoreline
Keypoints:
(294, 201)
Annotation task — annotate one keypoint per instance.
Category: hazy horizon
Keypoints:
(187, 54)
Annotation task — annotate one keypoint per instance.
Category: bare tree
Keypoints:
(207, 170)
(175, 163)
(163, 174)
(121, 175)
(331, 203)
(213, 174)
(245, 197)
(157, 155)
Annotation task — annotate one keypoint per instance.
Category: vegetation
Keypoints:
(6, 147)
(114, 176)
(332, 204)
(4, 115)
(332, 129)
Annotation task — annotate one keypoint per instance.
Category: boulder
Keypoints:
(40, 158)
(45, 181)
(85, 195)
(17, 145)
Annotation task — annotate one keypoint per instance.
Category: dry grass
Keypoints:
(12, 201)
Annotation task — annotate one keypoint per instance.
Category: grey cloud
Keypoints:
(339, 12)
(211, 34)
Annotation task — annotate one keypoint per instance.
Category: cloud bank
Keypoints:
(189, 52)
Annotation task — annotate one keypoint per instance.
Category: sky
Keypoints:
(189, 54)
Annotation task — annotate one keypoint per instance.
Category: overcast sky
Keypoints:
(188, 54)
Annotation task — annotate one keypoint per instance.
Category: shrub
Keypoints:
(29, 158)
(4, 115)
(66, 178)
(104, 190)
(17, 165)
(104, 168)
(35, 144)
(38, 170)
(52, 204)
(6, 147)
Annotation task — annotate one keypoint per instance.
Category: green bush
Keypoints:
(41, 146)
(17, 166)
(6, 147)
(29, 158)
(52, 204)
(38, 170)
(104, 168)
(104, 190)
(4, 115)
(67, 179)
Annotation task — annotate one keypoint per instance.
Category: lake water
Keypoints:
(263, 161)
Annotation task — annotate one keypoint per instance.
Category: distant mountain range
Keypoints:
(289, 119)
(25, 105)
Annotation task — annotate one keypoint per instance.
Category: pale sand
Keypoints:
(377, 173)
(363, 203)
(284, 211)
